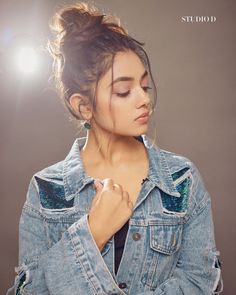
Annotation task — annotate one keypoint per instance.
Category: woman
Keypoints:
(118, 215)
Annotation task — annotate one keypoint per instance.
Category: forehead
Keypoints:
(126, 64)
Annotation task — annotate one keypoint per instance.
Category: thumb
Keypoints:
(97, 184)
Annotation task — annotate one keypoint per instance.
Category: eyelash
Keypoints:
(128, 92)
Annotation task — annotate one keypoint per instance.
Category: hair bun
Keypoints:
(82, 21)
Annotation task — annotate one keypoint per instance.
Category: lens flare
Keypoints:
(27, 60)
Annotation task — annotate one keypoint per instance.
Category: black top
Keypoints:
(120, 235)
(119, 238)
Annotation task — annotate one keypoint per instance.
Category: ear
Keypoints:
(80, 104)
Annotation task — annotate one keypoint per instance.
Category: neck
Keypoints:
(110, 149)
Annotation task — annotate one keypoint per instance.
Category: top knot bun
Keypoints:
(83, 22)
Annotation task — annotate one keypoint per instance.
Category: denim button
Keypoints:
(122, 285)
(136, 236)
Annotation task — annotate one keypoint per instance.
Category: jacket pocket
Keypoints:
(164, 241)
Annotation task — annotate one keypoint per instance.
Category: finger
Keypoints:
(98, 184)
(128, 200)
(118, 187)
(95, 199)
(125, 195)
(131, 205)
(108, 184)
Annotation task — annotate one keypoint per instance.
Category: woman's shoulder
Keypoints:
(54, 171)
(52, 187)
(46, 187)
(175, 160)
(50, 176)
(185, 176)
(168, 159)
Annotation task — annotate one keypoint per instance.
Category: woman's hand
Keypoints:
(109, 211)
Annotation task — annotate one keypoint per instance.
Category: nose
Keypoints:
(143, 99)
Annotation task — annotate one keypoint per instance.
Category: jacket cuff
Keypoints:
(89, 257)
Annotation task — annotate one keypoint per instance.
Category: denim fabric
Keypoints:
(169, 249)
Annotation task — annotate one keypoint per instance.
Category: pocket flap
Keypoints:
(165, 238)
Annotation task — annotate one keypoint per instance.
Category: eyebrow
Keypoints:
(124, 78)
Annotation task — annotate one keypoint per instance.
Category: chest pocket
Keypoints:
(164, 241)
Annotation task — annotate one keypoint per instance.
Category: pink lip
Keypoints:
(142, 115)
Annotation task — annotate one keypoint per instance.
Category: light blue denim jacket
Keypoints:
(170, 246)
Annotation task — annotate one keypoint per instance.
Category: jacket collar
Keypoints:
(75, 178)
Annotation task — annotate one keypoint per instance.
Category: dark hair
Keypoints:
(84, 49)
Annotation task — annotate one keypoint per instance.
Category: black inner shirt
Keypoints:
(119, 238)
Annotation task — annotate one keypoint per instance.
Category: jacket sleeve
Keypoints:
(198, 269)
(73, 265)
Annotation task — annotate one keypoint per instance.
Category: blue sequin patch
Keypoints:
(178, 174)
(20, 284)
(52, 195)
(178, 204)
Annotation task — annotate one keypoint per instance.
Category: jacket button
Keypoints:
(122, 285)
(136, 236)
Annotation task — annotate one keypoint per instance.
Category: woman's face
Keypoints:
(129, 97)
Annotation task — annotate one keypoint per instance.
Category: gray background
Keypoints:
(194, 67)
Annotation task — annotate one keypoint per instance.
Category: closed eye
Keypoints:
(124, 94)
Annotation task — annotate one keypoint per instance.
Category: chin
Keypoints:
(132, 131)
(140, 132)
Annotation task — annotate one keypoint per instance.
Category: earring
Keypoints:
(87, 125)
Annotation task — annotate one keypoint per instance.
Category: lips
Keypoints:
(143, 115)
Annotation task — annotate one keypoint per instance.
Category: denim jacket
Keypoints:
(169, 249)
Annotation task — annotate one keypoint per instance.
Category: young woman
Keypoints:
(119, 215)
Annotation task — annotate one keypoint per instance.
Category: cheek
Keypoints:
(117, 110)
(110, 109)
(103, 114)
(102, 107)
(120, 111)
